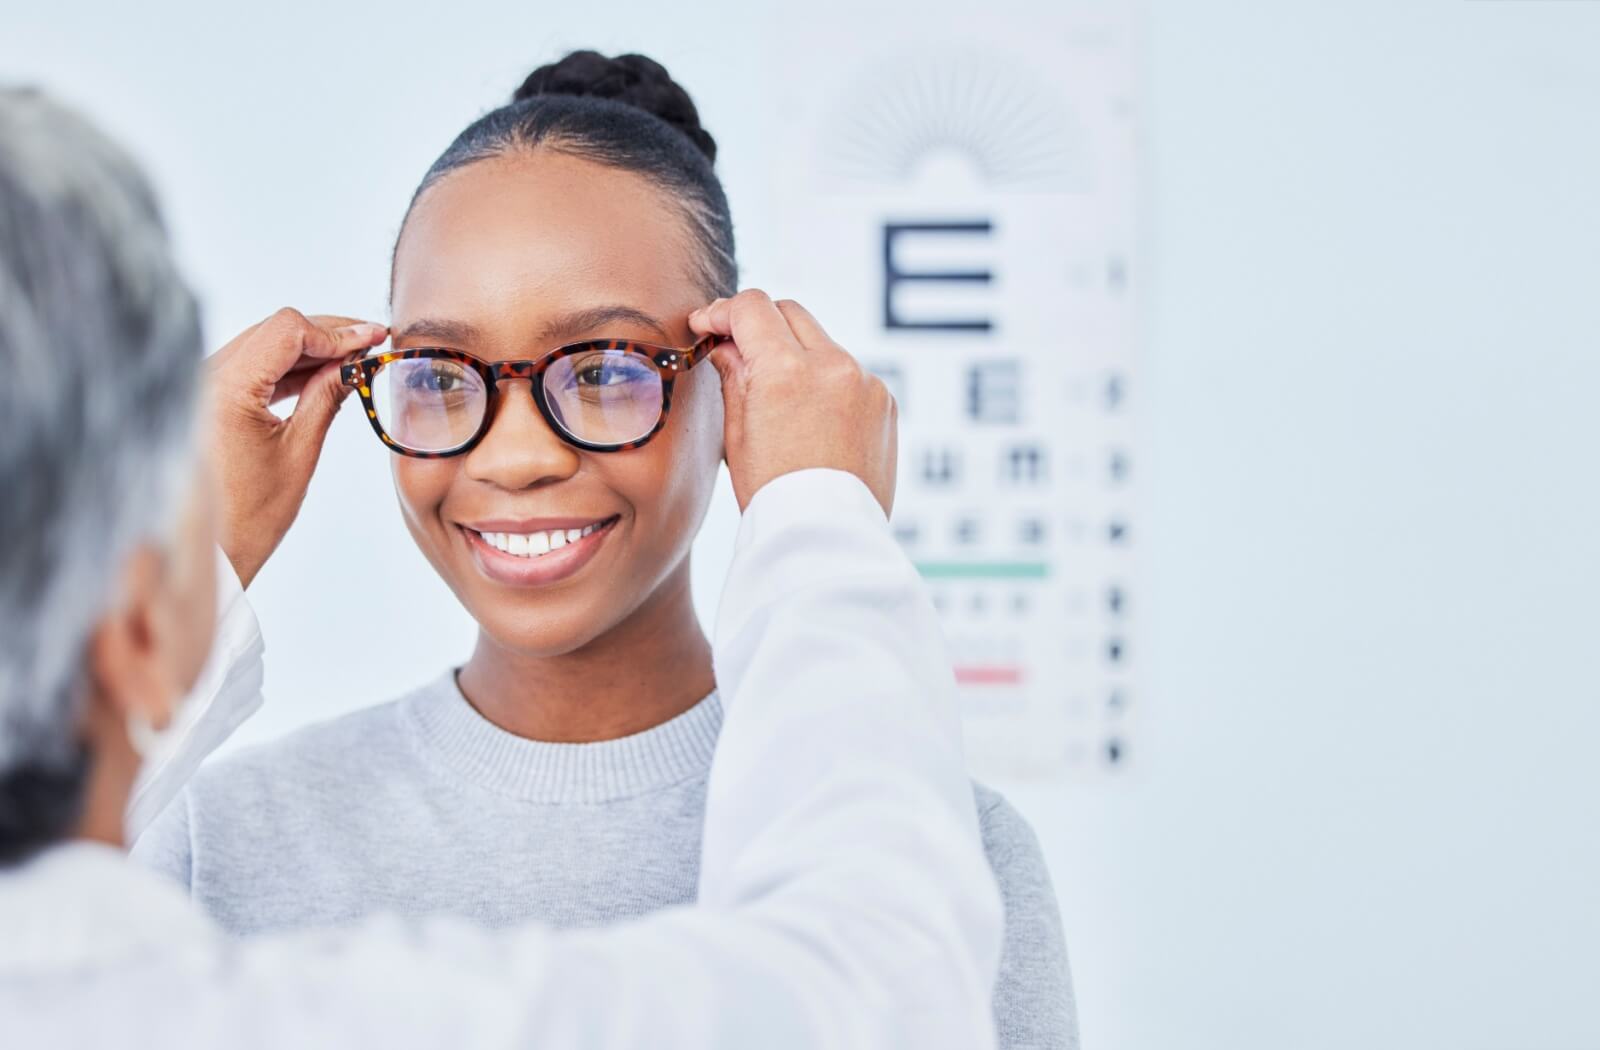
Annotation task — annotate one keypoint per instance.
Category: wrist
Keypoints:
(244, 558)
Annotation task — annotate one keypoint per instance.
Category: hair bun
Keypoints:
(639, 81)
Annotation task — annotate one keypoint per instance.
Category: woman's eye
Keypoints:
(604, 373)
(437, 380)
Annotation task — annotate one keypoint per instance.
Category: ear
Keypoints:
(125, 664)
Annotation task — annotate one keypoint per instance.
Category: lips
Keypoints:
(537, 551)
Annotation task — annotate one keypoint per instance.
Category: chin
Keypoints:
(561, 629)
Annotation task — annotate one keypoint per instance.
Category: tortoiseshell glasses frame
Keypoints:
(360, 368)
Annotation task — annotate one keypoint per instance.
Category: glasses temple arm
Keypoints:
(699, 351)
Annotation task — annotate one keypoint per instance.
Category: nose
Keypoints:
(520, 450)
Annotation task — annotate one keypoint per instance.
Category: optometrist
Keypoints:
(845, 900)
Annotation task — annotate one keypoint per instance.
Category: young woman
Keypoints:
(846, 900)
(561, 772)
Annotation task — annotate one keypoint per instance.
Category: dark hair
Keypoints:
(39, 803)
(625, 112)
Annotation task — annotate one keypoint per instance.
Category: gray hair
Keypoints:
(100, 349)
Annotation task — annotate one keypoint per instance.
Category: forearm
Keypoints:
(840, 816)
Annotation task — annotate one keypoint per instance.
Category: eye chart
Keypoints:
(956, 200)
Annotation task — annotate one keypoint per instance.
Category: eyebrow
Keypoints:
(557, 329)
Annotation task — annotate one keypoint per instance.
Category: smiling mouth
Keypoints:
(538, 544)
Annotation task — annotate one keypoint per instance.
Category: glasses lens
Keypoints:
(429, 404)
(604, 397)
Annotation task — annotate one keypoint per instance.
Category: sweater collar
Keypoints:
(451, 729)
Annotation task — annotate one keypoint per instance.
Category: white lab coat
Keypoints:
(845, 900)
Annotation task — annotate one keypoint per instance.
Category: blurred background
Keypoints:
(1343, 261)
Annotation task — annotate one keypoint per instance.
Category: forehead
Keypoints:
(506, 243)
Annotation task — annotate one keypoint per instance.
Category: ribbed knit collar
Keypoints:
(452, 730)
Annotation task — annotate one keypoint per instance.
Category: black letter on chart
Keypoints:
(893, 275)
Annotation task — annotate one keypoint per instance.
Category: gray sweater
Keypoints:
(423, 806)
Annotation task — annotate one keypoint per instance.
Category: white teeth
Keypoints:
(533, 544)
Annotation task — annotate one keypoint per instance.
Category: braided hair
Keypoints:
(624, 112)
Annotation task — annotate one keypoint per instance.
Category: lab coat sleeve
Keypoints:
(227, 692)
(845, 898)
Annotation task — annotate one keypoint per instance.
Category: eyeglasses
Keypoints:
(603, 395)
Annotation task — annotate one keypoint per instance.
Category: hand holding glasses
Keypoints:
(792, 397)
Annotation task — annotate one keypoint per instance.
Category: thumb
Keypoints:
(730, 366)
(319, 402)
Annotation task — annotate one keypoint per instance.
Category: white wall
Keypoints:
(1364, 808)
(1367, 810)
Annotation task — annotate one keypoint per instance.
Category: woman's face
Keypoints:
(508, 258)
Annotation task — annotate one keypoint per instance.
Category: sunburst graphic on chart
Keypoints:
(1015, 132)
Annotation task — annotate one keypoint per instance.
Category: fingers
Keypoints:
(750, 319)
(701, 319)
(284, 340)
(347, 334)
(320, 398)
(333, 320)
(338, 343)
(346, 339)
(726, 360)
(279, 343)
(275, 358)
(805, 326)
(292, 384)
